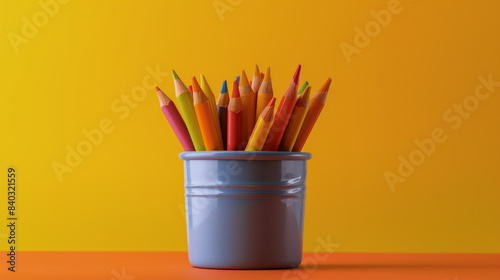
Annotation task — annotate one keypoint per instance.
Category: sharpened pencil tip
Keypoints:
(243, 79)
(236, 91)
(256, 72)
(326, 86)
(175, 75)
(196, 86)
(162, 97)
(271, 103)
(267, 77)
(224, 87)
(296, 76)
(304, 85)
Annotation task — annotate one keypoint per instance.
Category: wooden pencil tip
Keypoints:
(271, 103)
(307, 92)
(236, 91)
(224, 87)
(196, 86)
(256, 73)
(175, 75)
(238, 80)
(243, 79)
(267, 77)
(162, 97)
(304, 85)
(326, 86)
(296, 76)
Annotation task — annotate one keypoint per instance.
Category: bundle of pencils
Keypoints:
(246, 121)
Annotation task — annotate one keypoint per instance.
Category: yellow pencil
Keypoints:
(262, 127)
(296, 120)
(257, 80)
(205, 119)
(249, 100)
(188, 113)
(265, 94)
(213, 107)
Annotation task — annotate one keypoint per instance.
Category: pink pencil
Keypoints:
(175, 120)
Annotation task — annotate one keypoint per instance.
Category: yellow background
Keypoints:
(127, 193)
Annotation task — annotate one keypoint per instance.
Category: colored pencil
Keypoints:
(238, 80)
(265, 94)
(213, 107)
(296, 120)
(235, 121)
(191, 89)
(175, 120)
(304, 85)
(261, 76)
(316, 104)
(186, 104)
(257, 80)
(262, 127)
(283, 114)
(222, 104)
(205, 119)
(249, 100)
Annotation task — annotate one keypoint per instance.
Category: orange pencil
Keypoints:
(283, 114)
(265, 94)
(205, 118)
(296, 120)
(235, 111)
(213, 106)
(262, 127)
(316, 104)
(249, 100)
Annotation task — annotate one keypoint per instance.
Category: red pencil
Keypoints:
(175, 120)
(235, 139)
(283, 114)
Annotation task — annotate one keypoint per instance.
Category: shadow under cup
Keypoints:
(245, 210)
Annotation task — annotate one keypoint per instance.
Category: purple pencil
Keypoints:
(175, 120)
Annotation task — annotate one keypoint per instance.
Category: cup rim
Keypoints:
(244, 155)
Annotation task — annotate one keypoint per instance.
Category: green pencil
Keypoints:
(306, 83)
(188, 113)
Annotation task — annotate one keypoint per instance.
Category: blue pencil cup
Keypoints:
(245, 210)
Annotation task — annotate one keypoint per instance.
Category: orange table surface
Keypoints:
(175, 265)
